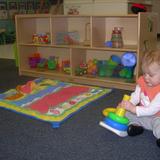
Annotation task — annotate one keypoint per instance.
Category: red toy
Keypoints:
(136, 7)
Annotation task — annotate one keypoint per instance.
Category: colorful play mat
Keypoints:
(49, 100)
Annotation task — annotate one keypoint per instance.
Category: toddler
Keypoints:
(144, 105)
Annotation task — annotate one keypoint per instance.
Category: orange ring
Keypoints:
(107, 110)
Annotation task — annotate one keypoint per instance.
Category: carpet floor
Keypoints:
(79, 138)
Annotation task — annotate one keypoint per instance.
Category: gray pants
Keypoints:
(149, 122)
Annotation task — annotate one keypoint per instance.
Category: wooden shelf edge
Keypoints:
(107, 82)
(132, 49)
(70, 16)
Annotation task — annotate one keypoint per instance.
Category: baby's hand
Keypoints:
(128, 106)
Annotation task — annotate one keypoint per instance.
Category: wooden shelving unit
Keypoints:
(139, 32)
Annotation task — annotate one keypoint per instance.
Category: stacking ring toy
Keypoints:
(114, 117)
(115, 125)
(108, 110)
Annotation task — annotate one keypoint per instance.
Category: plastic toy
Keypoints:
(126, 72)
(66, 66)
(111, 65)
(52, 63)
(108, 44)
(115, 120)
(81, 69)
(92, 67)
(27, 88)
(108, 110)
(41, 38)
(42, 63)
(14, 97)
(34, 59)
(67, 70)
(136, 7)
(117, 41)
(102, 68)
(67, 38)
(116, 59)
(129, 59)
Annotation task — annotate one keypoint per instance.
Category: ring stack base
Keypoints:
(119, 133)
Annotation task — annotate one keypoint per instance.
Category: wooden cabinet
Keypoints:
(90, 34)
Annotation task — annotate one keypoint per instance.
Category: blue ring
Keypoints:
(115, 125)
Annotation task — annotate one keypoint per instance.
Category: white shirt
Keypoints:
(145, 106)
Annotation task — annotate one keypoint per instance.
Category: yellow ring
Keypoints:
(107, 110)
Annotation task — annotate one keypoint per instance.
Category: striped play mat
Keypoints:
(50, 100)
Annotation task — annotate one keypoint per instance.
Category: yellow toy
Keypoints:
(115, 119)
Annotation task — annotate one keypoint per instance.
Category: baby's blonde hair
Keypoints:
(151, 57)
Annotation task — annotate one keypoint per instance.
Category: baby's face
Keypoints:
(151, 74)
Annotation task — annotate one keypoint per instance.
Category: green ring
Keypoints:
(114, 117)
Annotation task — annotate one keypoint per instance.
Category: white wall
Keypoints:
(6, 51)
